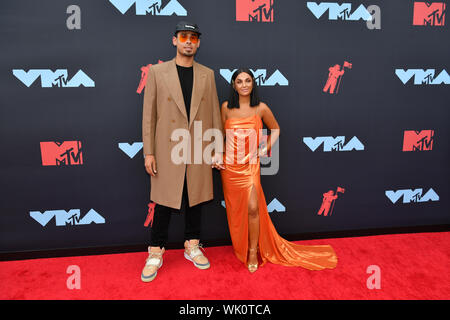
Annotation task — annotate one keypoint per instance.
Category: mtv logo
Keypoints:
(151, 7)
(63, 218)
(339, 11)
(50, 79)
(254, 10)
(131, 150)
(410, 195)
(423, 76)
(260, 77)
(55, 153)
(429, 14)
(418, 140)
(333, 144)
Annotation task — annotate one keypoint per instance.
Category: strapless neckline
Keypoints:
(236, 119)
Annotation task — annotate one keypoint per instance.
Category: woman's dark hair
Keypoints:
(233, 100)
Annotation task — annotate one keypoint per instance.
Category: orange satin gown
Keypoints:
(238, 178)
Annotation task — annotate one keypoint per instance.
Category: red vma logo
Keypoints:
(144, 72)
(254, 10)
(329, 198)
(64, 153)
(335, 75)
(418, 140)
(429, 14)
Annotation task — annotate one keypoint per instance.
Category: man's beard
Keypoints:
(187, 54)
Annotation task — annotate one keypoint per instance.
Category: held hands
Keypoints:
(217, 161)
(150, 163)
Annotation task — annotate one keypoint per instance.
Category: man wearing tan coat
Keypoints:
(180, 105)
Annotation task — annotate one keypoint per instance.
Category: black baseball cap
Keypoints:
(187, 26)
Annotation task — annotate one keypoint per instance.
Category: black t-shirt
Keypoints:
(186, 76)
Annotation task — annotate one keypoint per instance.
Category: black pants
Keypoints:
(161, 220)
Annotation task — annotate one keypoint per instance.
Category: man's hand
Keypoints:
(150, 164)
(217, 160)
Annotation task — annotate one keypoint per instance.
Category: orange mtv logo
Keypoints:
(254, 10)
(418, 140)
(64, 153)
(429, 14)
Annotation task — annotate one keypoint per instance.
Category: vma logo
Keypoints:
(50, 79)
(260, 77)
(339, 11)
(410, 195)
(64, 153)
(64, 218)
(418, 140)
(422, 77)
(333, 144)
(429, 14)
(151, 7)
(254, 10)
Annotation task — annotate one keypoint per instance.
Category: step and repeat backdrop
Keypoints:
(360, 89)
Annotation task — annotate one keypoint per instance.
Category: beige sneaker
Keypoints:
(152, 264)
(193, 253)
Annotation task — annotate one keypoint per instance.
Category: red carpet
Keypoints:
(413, 266)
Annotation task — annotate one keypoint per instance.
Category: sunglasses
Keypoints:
(183, 37)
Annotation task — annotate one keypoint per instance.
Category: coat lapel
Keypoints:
(197, 91)
(173, 83)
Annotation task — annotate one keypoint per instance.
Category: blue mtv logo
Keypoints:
(333, 144)
(151, 7)
(261, 78)
(50, 79)
(410, 195)
(63, 218)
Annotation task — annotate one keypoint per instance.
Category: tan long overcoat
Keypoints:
(163, 112)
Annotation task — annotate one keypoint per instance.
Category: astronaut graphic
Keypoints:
(328, 201)
(334, 77)
(150, 214)
(143, 81)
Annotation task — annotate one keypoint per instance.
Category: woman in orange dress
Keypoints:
(255, 240)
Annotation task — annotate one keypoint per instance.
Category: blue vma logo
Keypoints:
(338, 11)
(333, 144)
(151, 7)
(423, 77)
(261, 78)
(64, 218)
(410, 195)
(50, 79)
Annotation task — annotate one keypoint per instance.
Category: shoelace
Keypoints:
(194, 250)
(153, 259)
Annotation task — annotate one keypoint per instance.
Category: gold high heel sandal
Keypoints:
(252, 267)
